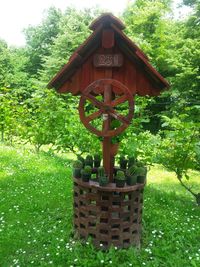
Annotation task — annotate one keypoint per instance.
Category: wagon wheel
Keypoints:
(106, 108)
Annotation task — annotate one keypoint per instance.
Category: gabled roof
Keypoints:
(127, 46)
(105, 20)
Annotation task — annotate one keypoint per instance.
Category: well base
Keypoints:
(110, 215)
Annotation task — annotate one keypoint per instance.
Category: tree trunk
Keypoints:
(37, 148)
(198, 199)
(196, 196)
(2, 135)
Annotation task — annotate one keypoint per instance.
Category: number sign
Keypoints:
(108, 60)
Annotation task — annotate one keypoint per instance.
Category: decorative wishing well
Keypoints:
(107, 71)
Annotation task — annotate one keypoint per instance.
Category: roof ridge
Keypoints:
(107, 18)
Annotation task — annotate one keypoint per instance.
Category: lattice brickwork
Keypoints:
(109, 217)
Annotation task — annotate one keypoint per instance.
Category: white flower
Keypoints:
(102, 261)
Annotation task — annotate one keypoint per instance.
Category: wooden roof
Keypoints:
(107, 19)
(131, 51)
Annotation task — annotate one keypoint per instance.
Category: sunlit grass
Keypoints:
(36, 217)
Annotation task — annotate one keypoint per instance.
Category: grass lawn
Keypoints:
(36, 218)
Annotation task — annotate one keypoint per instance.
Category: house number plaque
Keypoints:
(108, 60)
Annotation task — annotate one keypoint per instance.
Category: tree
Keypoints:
(75, 138)
(186, 81)
(6, 67)
(10, 112)
(193, 21)
(177, 150)
(173, 47)
(149, 27)
(73, 30)
(40, 38)
(149, 24)
(45, 114)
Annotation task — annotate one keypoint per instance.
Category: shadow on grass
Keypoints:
(174, 194)
(61, 159)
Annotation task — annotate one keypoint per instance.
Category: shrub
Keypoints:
(89, 161)
(103, 180)
(77, 164)
(101, 172)
(120, 175)
(87, 169)
(132, 170)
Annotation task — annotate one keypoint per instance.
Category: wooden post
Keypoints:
(107, 157)
(107, 140)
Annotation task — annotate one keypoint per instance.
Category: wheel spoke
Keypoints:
(93, 100)
(93, 116)
(119, 100)
(101, 88)
(106, 107)
(118, 116)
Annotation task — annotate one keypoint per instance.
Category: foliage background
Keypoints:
(29, 113)
(165, 129)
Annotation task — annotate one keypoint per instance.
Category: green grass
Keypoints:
(36, 218)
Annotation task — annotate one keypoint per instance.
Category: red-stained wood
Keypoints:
(110, 65)
(106, 127)
(129, 74)
(106, 108)
(104, 19)
(130, 80)
(127, 40)
(108, 38)
(107, 157)
(108, 60)
(86, 74)
(111, 187)
(65, 87)
(137, 82)
(75, 83)
(150, 81)
(118, 101)
(93, 116)
(84, 51)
